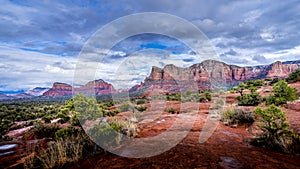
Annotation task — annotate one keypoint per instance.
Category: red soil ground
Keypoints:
(226, 148)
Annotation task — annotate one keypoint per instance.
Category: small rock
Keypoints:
(230, 163)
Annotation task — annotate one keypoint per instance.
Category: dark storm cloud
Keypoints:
(243, 32)
(75, 21)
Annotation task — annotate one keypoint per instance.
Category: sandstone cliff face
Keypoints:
(59, 89)
(99, 86)
(210, 74)
(279, 69)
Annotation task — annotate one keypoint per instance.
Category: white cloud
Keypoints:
(268, 34)
(26, 69)
(254, 29)
(252, 16)
(286, 54)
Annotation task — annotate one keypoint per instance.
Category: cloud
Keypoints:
(259, 59)
(40, 40)
(25, 69)
(230, 52)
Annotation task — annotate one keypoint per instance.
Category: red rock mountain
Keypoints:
(59, 89)
(210, 74)
(206, 75)
(62, 89)
(100, 87)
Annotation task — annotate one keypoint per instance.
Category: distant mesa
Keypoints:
(99, 87)
(205, 75)
(59, 89)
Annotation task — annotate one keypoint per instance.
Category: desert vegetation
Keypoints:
(66, 126)
(276, 134)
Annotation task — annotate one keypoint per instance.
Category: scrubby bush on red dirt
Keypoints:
(141, 108)
(45, 130)
(276, 134)
(282, 94)
(233, 116)
(294, 77)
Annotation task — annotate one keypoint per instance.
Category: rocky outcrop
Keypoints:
(210, 74)
(97, 87)
(279, 69)
(59, 89)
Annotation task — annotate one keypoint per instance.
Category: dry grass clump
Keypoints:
(233, 117)
(59, 154)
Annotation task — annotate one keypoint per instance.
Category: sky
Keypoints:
(40, 40)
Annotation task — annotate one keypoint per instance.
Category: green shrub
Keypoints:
(108, 104)
(141, 108)
(67, 132)
(63, 115)
(275, 80)
(294, 77)
(47, 119)
(201, 99)
(252, 99)
(86, 108)
(174, 97)
(116, 111)
(74, 119)
(125, 107)
(45, 130)
(208, 95)
(140, 101)
(234, 116)
(231, 91)
(105, 134)
(255, 83)
(171, 110)
(276, 133)
(282, 94)
(240, 88)
(127, 128)
(168, 98)
(204, 97)
(5, 125)
(275, 100)
(112, 113)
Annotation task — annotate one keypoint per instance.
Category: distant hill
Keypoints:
(205, 75)
(38, 91)
(62, 89)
